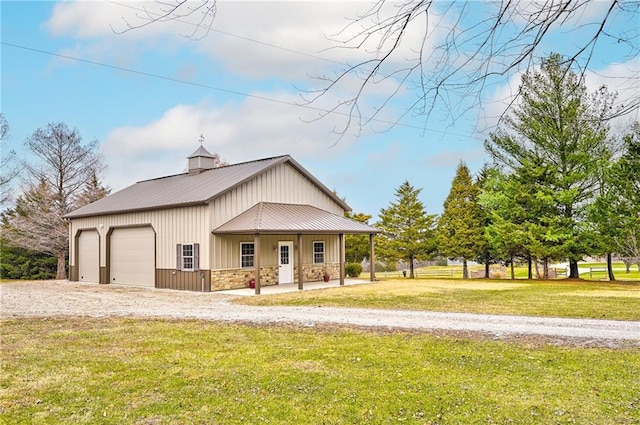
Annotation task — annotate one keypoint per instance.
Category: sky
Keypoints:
(148, 95)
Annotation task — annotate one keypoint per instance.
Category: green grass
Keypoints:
(122, 371)
(555, 298)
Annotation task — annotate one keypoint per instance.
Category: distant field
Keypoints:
(520, 272)
(555, 298)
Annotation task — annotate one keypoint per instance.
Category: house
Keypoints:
(262, 222)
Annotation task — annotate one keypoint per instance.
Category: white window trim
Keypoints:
(324, 252)
(192, 256)
(195, 256)
(254, 255)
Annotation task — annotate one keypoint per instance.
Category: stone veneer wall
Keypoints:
(239, 278)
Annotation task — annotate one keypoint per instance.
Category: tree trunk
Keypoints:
(465, 270)
(627, 264)
(535, 263)
(513, 272)
(61, 272)
(573, 270)
(545, 269)
(411, 267)
(610, 267)
(486, 270)
(529, 272)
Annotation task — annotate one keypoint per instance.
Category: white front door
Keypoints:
(285, 262)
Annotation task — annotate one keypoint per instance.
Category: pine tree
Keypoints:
(92, 191)
(407, 230)
(36, 224)
(555, 142)
(356, 247)
(461, 225)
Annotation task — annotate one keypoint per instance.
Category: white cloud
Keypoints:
(237, 132)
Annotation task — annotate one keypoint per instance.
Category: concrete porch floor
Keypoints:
(292, 287)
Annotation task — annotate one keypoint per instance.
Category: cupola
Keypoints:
(202, 160)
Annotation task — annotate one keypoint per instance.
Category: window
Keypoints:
(187, 256)
(318, 252)
(246, 254)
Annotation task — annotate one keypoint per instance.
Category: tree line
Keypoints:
(561, 186)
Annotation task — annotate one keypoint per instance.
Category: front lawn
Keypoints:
(555, 298)
(125, 371)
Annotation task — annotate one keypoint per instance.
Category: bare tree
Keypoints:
(462, 49)
(63, 162)
(8, 162)
(446, 53)
(56, 184)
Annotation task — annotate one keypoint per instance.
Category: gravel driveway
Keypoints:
(64, 298)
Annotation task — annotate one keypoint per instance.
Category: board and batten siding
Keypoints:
(228, 254)
(172, 226)
(281, 184)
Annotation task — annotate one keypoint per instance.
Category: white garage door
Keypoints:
(133, 256)
(89, 256)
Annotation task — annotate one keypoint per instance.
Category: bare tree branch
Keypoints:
(470, 51)
(174, 10)
(8, 163)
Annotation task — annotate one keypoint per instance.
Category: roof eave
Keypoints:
(72, 216)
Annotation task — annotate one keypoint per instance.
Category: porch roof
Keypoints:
(266, 217)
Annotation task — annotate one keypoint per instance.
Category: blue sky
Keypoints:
(239, 87)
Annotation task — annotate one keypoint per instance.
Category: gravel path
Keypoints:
(63, 298)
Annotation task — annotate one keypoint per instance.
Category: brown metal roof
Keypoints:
(184, 189)
(267, 217)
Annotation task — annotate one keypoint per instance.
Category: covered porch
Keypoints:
(294, 222)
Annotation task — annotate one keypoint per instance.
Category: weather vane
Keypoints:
(201, 139)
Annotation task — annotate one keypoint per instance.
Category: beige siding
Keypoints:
(226, 251)
(172, 226)
(283, 184)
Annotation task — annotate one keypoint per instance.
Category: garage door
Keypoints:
(89, 256)
(132, 253)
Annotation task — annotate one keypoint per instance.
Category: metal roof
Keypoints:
(201, 151)
(184, 189)
(267, 217)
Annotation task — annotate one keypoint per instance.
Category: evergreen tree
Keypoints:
(407, 230)
(616, 213)
(489, 254)
(356, 247)
(92, 191)
(461, 225)
(555, 142)
(503, 198)
(36, 224)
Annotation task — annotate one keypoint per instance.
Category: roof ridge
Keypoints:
(259, 215)
(287, 156)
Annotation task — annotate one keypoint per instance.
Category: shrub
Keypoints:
(353, 269)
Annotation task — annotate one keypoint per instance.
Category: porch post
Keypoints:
(299, 252)
(341, 243)
(372, 255)
(256, 260)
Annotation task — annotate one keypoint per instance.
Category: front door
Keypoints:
(285, 262)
